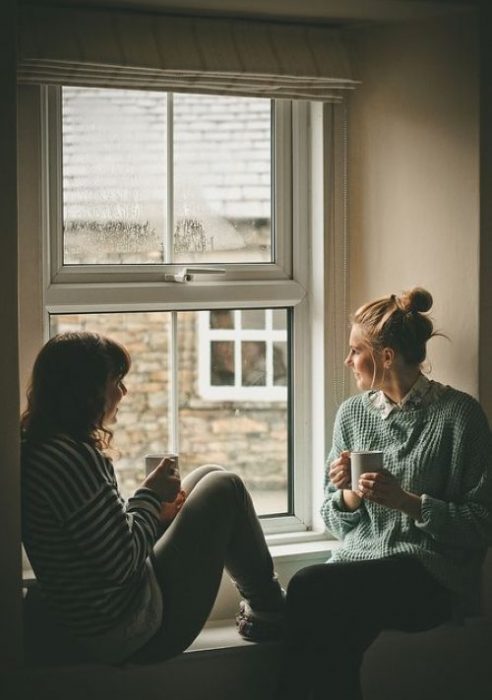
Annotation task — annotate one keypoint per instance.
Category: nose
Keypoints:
(348, 360)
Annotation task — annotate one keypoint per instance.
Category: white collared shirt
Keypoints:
(422, 393)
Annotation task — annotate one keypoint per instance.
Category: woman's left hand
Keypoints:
(383, 488)
(170, 510)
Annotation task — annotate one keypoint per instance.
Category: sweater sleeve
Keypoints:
(113, 537)
(465, 520)
(336, 518)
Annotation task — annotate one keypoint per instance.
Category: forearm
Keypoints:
(351, 500)
(411, 505)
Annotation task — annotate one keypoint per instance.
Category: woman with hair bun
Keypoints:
(414, 534)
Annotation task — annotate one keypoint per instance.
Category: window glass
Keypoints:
(247, 437)
(114, 176)
(222, 369)
(247, 356)
(222, 318)
(253, 318)
(117, 180)
(222, 179)
(253, 363)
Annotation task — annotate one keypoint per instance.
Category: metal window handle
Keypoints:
(186, 274)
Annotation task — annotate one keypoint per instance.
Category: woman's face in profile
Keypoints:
(115, 391)
(365, 363)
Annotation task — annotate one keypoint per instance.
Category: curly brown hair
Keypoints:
(67, 392)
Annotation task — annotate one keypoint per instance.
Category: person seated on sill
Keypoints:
(130, 581)
(414, 534)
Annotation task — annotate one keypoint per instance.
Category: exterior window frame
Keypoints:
(238, 391)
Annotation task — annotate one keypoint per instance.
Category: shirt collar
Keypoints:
(415, 398)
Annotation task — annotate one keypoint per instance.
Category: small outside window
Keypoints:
(244, 354)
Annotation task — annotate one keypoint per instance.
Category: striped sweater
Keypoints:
(443, 453)
(87, 546)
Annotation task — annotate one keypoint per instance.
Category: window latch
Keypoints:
(186, 274)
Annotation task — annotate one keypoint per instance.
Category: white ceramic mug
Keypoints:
(152, 461)
(362, 461)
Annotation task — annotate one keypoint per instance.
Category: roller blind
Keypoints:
(116, 48)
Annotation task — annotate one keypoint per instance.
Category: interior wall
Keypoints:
(10, 594)
(485, 375)
(414, 178)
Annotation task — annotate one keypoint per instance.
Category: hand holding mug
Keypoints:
(383, 488)
(339, 471)
(164, 480)
(170, 510)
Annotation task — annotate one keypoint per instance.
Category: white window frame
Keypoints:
(238, 335)
(303, 167)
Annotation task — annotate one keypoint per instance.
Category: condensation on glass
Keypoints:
(117, 179)
(114, 164)
(245, 434)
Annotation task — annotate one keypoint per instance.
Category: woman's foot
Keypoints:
(259, 625)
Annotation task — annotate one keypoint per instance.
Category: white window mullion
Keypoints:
(169, 226)
(238, 369)
(173, 399)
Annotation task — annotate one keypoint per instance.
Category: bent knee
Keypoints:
(227, 485)
(304, 585)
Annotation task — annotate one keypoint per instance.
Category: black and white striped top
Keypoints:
(87, 546)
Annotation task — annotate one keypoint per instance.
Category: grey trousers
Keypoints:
(216, 528)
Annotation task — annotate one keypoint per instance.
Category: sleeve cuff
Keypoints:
(339, 506)
(429, 513)
(145, 498)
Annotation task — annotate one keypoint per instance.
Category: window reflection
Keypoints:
(253, 363)
(222, 318)
(222, 363)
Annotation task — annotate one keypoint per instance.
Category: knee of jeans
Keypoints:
(227, 484)
(301, 587)
(205, 469)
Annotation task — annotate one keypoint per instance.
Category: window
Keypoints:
(151, 177)
(244, 354)
(192, 244)
(141, 187)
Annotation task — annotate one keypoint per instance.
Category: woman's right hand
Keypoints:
(339, 471)
(164, 480)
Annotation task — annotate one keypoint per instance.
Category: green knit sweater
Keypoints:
(443, 453)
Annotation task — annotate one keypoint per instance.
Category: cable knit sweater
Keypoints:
(441, 452)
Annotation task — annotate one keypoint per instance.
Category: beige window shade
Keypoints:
(115, 48)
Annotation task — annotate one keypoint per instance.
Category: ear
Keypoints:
(388, 355)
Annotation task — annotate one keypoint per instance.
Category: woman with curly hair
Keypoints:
(414, 534)
(128, 580)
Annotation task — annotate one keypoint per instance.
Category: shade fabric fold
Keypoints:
(119, 48)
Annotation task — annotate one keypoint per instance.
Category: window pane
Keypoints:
(253, 363)
(221, 318)
(114, 176)
(143, 418)
(253, 318)
(248, 437)
(280, 364)
(222, 179)
(222, 363)
(279, 320)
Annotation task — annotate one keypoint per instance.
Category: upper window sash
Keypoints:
(60, 274)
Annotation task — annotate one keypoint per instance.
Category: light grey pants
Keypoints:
(216, 528)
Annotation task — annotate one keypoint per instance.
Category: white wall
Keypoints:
(414, 175)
